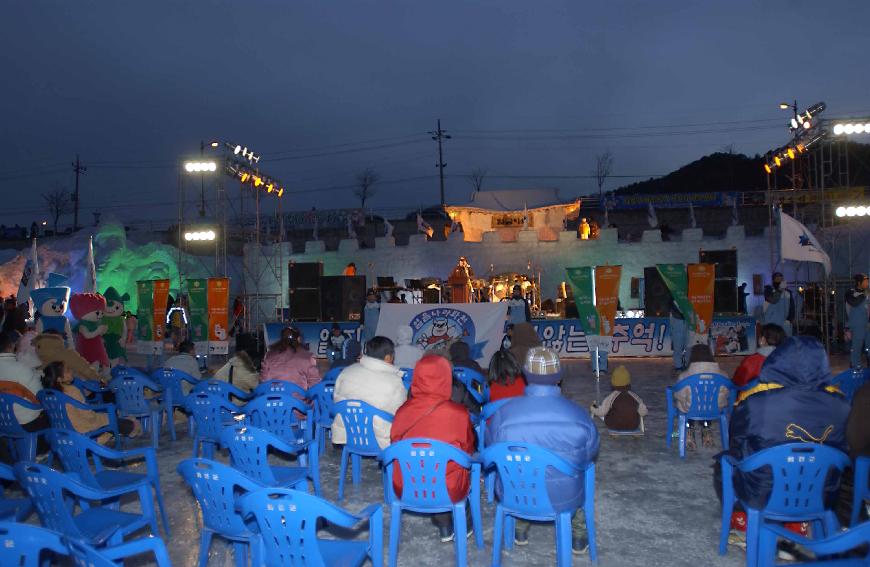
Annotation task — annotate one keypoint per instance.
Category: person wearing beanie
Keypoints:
(701, 361)
(543, 417)
(407, 353)
(858, 313)
(622, 410)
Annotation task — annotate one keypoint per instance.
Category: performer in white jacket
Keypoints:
(373, 380)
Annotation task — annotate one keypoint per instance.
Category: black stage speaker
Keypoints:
(305, 275)
(725, 295)
(305, 304)
(657, 296)
(430, 296)
(725, 260)
(342, 297)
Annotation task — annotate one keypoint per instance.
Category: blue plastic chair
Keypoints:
(843, 542)
(54, 404)
(522, 469)
(22, 444)
(217, 489)
(220, 388)
(172, 381)
(850, 381)
(76, 453)
(288, 523)
(12, 508)
(279, 387)
(23, 545)
(474, 383)
(277, 414)
(85, 555)
(487, 412)
(324, 411)
(705, 405)
(358, 418)
(129, 389)
(53, 493)
(423, 464)
(210, 415)
(861, 491)
(332, 374)
(249, 453)
(799, 472)
(407, 377)
(92, 391)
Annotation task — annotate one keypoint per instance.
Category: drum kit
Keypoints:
(499, 287)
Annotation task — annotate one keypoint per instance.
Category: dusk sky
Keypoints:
(529, 90)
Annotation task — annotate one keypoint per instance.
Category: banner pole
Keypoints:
(597, 367)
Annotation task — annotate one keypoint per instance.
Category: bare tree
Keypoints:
(603, 168)
(365, 182)
(58, 204)
(476, 178)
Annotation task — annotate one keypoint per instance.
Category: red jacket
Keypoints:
(750, 368)
(448, 422)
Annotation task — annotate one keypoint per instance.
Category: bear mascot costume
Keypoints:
(88, 309)
(113, 319)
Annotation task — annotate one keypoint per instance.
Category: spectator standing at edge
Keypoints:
(545, 418)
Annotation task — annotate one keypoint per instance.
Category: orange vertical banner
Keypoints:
(702, 278)
(161, 299)
(218, 315)
(607, 296)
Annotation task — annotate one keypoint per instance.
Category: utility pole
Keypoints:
(79, 170)
(439, 135)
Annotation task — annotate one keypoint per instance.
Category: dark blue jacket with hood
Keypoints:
(795, 407)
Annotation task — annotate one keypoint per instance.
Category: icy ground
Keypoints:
(651, 507)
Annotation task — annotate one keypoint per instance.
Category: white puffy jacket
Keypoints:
(376, 382)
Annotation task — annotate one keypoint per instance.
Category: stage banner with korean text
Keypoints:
(197, 303)
(701, 278)
(650, 336)
(607, 296)
(145, 313)
(582, 283)
(437, 326)
(677, 280)
(161, 304)
(218, 315)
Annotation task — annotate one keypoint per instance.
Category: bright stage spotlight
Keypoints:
(207, 235)
(200, 166)
(860, 126)
(841, 212)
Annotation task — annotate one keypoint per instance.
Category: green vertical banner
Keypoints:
(197, 296)
(582, 283)
(145, 310)
(677, 280)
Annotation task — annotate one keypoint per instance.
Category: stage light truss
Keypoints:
(851, 126)
(807, 131)
(852, 211)
(255, 179)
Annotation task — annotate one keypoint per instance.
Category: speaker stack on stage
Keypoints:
(342, 297)
(657, 296)
(305, 290)
(725, 287)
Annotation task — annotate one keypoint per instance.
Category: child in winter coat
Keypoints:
(622, 410)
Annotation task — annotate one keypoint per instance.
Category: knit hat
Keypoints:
(620, 377)
(542, 367)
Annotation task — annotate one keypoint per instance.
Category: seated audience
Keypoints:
(622, 410)
(506, 378)
(523, 337)
(430, 413)
(239, 371)
(858, 427)
(545, 418)
(56, 376)
(460, 357)
(373, 380)
(287, 359)
(793, 403)
(22, 381)
(185, 360)
(350, 353)
(701, 361)
(771, 337)
(407, 354)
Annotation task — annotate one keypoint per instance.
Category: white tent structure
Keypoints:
(505, 212)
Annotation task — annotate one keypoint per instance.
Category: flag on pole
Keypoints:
(351, 233)
(388, 228)
(735, 219)
(796, 242)
(90, 285)
(651, 217)
(525, 216)
(423, 226)
(692, 215)
(316, 223)
(29, 276)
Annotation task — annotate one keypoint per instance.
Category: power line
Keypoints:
(612, 128)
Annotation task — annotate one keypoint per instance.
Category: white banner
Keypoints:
(437, 326)
(798, 243)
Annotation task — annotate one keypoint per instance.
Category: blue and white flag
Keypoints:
(90, 285)
(437, 326)
(651, 217)
(29, 276)
(796, 242)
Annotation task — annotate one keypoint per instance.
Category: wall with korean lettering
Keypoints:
(422, 258)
